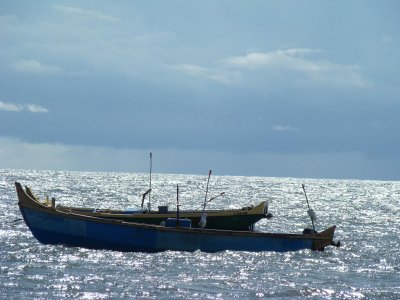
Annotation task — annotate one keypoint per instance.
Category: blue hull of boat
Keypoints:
(51, 226)
(54, 229)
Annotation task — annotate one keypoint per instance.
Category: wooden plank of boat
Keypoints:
(232, 219)
(51, 226)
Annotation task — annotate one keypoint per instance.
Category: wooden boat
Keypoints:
(52, 226)
(232, 219)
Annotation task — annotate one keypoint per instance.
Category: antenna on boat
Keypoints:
(203, 220)
(310, 212)
(151, 166)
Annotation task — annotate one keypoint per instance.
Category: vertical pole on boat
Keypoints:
(151, 166)
(310, 211)
(205, 198)
(177, 205)
(203, 219)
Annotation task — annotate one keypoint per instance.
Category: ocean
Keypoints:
(366, 266)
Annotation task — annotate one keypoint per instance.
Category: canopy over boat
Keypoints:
(52, 226)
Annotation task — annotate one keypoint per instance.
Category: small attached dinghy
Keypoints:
(49, 225)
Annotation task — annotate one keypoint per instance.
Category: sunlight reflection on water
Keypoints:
(366, 266)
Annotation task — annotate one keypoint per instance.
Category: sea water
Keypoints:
(366, 266)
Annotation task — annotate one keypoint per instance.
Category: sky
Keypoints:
(305, 89)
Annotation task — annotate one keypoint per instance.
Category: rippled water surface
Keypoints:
(366, 213)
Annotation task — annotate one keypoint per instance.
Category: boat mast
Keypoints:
(177, 205)
(151, 166)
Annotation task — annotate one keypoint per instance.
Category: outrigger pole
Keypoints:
(310, 211)
(144, 196)
(212, 198)
(203, 219)
(205, 198)
(149, 190)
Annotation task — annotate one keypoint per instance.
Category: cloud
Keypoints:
(211, 74)
(85, 13)
(387, 39)
(35, 108)
(22, 107)
(284, 128)
(9, 106)
(34, 66)
(296, 62)
(290, 59)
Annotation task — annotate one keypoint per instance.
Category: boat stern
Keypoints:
(324, 239)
